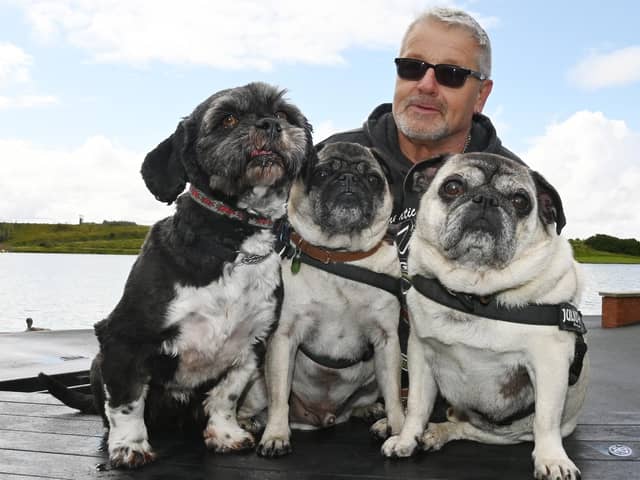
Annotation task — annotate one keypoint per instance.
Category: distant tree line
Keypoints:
(606, 243)
(118, 222)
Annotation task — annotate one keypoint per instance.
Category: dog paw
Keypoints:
(434, 437)
(252, 424)
(274, 447)
(555, 469)
(381, 430)
(135, 455)
(370, 413)
(397, 447)
(226, 439)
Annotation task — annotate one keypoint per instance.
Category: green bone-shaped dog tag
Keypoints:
(295, 263)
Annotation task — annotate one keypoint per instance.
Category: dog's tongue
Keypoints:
(258, 152)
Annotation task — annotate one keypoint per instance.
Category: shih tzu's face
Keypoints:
(250, 137)
(238, 140)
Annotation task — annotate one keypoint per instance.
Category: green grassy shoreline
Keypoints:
(125, 238)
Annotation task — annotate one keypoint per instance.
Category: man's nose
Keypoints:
(428, 83)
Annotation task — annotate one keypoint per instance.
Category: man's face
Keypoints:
(426, 111)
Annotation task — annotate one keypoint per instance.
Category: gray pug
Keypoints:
(487, 230)
(319, 368)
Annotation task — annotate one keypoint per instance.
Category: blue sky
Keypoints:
(88, 87)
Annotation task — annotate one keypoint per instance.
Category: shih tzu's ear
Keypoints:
(549, 203)
(422, 174)
(311, 153)
(163, 170)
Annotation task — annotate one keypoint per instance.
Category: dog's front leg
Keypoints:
(275, 440)
(223, 434)
(422, 395)
(387, 362)
(128, 441)
(551, 383)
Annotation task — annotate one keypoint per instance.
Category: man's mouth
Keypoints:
(424, 108)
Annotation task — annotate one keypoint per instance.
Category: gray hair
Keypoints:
(458, 18)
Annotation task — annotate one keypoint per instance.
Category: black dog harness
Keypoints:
(564, 315)
(291, 245)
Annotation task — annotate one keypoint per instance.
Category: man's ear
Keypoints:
(163, 169)
(549, 203)
(421, 175)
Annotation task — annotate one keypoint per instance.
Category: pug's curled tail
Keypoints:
(71, 398)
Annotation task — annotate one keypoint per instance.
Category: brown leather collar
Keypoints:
(330, 256)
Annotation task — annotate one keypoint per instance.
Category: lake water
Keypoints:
(62, 291)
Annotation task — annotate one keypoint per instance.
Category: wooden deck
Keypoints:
(40, 438)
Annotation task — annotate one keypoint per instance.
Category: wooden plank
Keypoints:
(319, 466)
(51, 443)
(316, 452)
(30, 398)
(77, 424)
(35, 410)
(614, 433)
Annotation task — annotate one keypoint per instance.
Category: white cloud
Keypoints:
(14, 64)
(98, 180)
(239, 34)
(592, 162)
(601, 70)
(27, 101)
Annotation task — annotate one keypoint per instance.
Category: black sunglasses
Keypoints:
(448, 75)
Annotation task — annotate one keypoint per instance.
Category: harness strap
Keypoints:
(563, 315)
(337, 363)
(383, 281)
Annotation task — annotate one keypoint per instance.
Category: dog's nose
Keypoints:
(485, 200)
(347, 180)
(270, 125)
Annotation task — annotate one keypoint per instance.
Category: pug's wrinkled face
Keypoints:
(346, 189)
(480, 209)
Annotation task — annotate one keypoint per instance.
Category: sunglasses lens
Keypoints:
(450, 76)
(409, 69)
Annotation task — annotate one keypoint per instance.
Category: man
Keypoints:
(442, 84)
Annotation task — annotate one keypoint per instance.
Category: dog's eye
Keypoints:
(230, 121)
(282, 116)
(453, 188)
(322, 173)
(373, 179)
(521, 202)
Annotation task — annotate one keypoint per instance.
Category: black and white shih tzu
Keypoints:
(182, 344)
